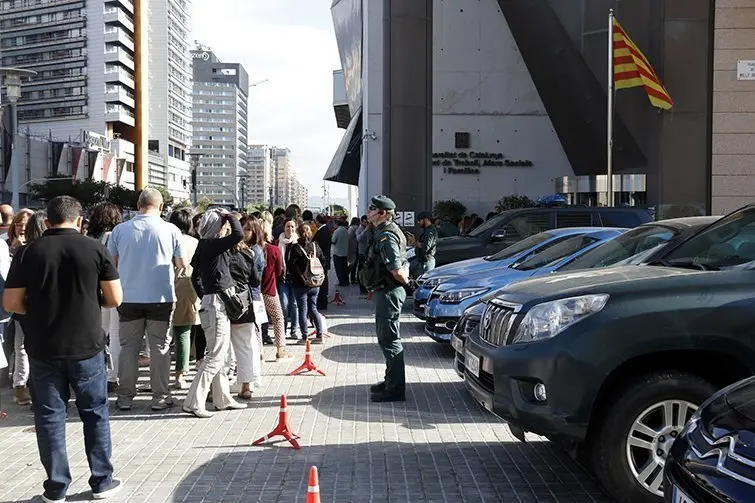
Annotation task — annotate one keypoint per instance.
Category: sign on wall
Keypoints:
(745, 69)
(469, 163)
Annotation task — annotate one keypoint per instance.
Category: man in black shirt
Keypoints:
(60, 281)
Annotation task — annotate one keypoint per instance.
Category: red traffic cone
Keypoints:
(313, 490)
(308, 364)
(283, 428)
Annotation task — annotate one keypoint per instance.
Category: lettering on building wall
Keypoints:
(203, 55)
(469, 163)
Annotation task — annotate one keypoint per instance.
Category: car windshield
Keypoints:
(523, 245)
(728, 243)
(626, 248)
(554, 253)
(491, 224)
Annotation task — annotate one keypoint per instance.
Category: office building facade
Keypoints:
(220, 128)
(170, 88)
(259, 174)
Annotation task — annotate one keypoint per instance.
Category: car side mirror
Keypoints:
(498, 235)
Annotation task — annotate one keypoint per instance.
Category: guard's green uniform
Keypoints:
(426, 250)
(388, 249)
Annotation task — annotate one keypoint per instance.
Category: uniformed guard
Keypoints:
(425, 247)
(386, 273)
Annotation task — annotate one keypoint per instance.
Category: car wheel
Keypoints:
(632, 442)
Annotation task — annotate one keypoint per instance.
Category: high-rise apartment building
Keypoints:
(259, 172)
(170, 88)
(219, 126)
(286, 186)
(83, 53)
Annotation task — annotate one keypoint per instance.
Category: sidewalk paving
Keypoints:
(438, 446)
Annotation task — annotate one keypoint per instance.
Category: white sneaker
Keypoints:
(115, 486)
(45, 499)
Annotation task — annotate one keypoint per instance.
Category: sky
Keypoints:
(291, 43)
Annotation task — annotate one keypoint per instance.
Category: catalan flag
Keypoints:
(632, 69)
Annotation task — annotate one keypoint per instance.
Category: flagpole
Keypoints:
(609, 170)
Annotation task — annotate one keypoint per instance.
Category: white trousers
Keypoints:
(247, 349)
(21, 360)
(112, 326)
(217, 331)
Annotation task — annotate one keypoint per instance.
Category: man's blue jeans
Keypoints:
(50, 381)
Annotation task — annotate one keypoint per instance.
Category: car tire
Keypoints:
(639, 401)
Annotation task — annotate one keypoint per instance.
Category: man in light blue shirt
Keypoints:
(145, 249)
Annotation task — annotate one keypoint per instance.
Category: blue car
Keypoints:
(510, 255)
(450, 298)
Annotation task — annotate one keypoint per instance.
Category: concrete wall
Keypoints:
(482, 87)
(733, 167)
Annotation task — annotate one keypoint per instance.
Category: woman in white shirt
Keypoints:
(285, 286)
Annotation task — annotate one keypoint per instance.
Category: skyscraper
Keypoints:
(83, 53)
(170, 77)
(259, 174)
(219, 126)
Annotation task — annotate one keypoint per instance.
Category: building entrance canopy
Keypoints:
(346, 163)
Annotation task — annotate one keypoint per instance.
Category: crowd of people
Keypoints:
(84, 307)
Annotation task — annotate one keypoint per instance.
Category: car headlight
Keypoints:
(548, 319)
(411, 253)
(434, 282)
(456, 296)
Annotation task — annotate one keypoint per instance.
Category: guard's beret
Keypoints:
(383, 203)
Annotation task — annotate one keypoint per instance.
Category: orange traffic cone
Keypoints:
(308, 364)
(313, 491)
(283, 428)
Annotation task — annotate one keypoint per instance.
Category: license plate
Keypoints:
(680, 497)
(457, 344)
(472, 362)
(427, 309)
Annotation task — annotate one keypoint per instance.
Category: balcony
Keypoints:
(120, 75)
(119, 36)
(116, 15)
(126, 4)
(115, 54)
(122, 149)
(119, 94)
(119, 113)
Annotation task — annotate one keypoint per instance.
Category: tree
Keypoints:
(123, 197)
(203, 203)
(182, 204)
(513, 202)
(337, 210)
(451, 210)
(87, 192)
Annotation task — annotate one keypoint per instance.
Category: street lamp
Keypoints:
(194, 162)
(12, 79)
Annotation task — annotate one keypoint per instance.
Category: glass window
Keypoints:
(627, 248)
(525, 226)
(557, 252)
(728, 243)
(521, 246)
(620, 219)
(573, 219)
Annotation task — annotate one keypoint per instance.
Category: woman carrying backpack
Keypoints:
(304, 263)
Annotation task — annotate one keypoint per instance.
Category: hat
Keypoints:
(424, 215)
(383, 203)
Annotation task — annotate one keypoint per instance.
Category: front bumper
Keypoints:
(701, 478)
(420, 299)
(443, 318)
(506, 382)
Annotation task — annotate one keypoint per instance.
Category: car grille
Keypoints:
(726, 453)
(496, 321)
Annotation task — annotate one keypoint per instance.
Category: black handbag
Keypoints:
(237, 301)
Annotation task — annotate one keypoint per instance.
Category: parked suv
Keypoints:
(613, 362)
(512, 226)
